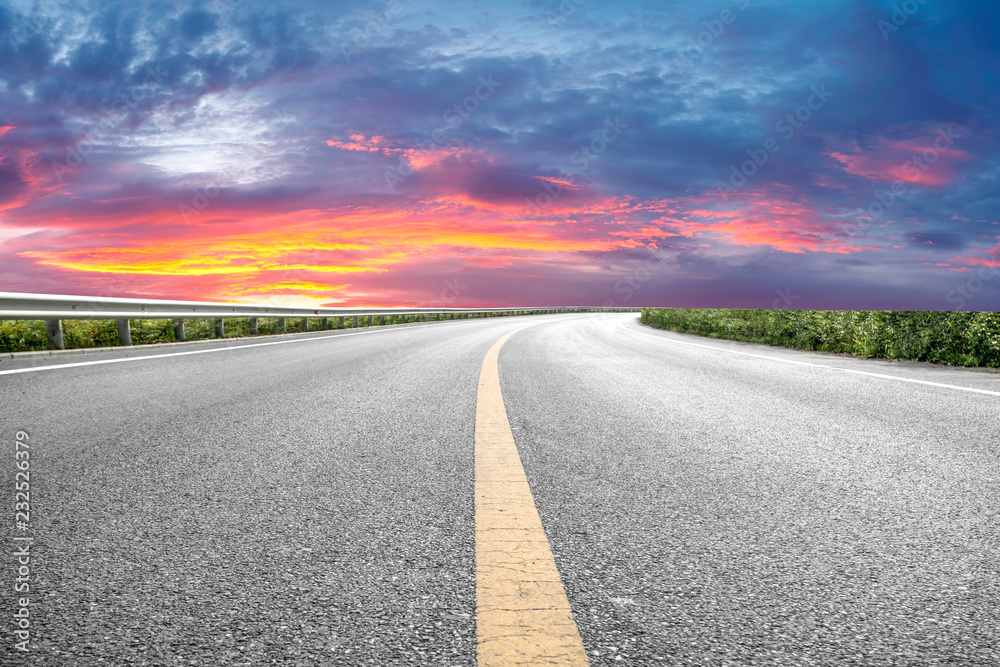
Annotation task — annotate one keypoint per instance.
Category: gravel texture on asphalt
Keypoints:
(309, 503)
(706, 508)
(312, 503)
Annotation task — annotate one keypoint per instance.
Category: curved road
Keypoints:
(312, 502)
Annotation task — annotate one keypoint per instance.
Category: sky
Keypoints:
(725, 153)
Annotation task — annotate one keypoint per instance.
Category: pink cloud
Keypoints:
(358, 142)
(763, 218)
(927, 157)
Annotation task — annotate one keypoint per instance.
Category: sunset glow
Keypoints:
(530, 153)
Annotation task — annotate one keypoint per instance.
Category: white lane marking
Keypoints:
(214, 349)
(823, 366)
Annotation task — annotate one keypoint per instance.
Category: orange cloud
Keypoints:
(302, 255)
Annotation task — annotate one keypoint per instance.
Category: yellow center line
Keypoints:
(522, 614)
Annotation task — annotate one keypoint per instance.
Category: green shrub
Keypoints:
(959, 338)
(27, 335)
(21, 335)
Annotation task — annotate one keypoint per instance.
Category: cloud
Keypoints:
(920, 156)
(232, 150)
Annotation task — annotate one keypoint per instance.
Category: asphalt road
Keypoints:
(312, 502)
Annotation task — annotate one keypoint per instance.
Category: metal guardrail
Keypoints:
(53, 309)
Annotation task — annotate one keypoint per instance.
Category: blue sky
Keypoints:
(734, 153)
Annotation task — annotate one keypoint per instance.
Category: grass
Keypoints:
(28, 335)
(957, 338)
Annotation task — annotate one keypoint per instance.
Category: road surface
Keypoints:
(312, 502)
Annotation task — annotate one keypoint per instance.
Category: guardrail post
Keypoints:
(54, 332)
(357, 322)
(179, 333)
(305, 324)
(220, 328)
(254, 326)
(324, 323)
(124, 332)
(283, 324)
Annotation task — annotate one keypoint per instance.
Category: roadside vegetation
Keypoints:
(957, 338)
(29, 335)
